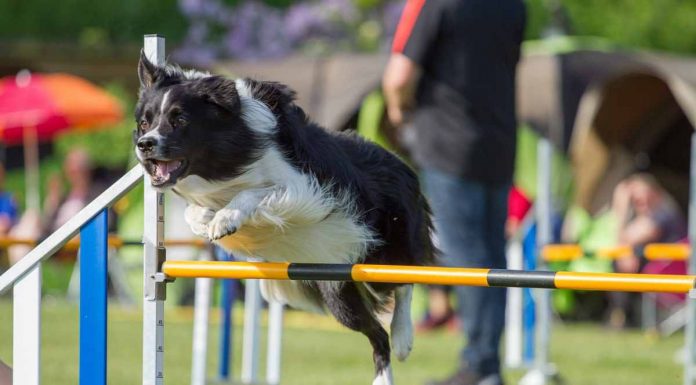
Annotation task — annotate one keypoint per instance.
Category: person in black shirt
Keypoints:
(450, 86)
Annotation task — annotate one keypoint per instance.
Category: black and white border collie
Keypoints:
(262, 180)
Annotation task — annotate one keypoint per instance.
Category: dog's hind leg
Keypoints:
(401, 325)
(347, 305)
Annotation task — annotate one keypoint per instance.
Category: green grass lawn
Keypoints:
(317, 351)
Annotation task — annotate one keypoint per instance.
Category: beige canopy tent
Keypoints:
(640, 118)
(329, 88)
(614, 112)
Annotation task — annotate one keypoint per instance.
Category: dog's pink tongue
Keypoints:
(164, 168)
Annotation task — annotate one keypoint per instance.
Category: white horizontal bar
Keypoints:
(56, 240)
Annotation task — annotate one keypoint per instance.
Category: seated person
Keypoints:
(59, 207)
(8, 206)
(646, 213)
(8, 215)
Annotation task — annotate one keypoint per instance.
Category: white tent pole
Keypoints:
(690, 334)
(31, 165)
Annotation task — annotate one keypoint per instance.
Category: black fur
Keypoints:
(214, 99)
(218, 145)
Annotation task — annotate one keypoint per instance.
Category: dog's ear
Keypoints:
(219, 91)
(148, 72)
(273, 94)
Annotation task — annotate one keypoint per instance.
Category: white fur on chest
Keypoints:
(297, 221)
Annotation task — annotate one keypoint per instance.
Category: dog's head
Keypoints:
(193, 123)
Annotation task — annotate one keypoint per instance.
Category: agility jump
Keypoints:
(25, 279)
(431, 275)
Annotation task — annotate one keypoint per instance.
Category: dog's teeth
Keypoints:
(163, 169)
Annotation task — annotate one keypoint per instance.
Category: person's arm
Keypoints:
(398, 85)
(415, 36)
(640, 231)
(621, 203)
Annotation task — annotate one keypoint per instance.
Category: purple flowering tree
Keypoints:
(253, 30)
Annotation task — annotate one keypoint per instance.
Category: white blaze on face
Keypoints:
(154, 132)
(164, 104)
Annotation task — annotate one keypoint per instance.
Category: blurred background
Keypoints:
(610, 83)
(324, 49)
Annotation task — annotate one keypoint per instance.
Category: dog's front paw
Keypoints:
(199, 229)
(224, 223)
(198, 218)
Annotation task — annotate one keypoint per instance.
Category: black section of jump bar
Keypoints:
(519, 278)
(320, 272)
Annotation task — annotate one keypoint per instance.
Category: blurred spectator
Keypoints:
(60, 207)
(646, 213)
(518, 207)
(450, 83)
(5, 374)
(8, 206)
(8, 215)
(440, 312)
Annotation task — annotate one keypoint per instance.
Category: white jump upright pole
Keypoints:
(153, 257)
(690, 335)
(250, 340)
(513, 312)
(26, 344)
(543, 370)
(544, 237)
(201, 311)
(275, 338)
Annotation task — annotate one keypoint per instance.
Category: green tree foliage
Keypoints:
(89, 21)
(668, 25)
(653, 24)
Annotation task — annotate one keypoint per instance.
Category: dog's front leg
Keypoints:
(198, 218)
(230, 218)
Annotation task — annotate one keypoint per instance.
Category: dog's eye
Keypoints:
(179, 121)
(144, 125)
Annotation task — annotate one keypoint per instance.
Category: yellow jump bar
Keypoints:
(431, 275)
(653, 251)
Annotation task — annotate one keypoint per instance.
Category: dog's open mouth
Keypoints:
(165, 172)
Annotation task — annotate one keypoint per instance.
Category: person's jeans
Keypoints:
(469, 218)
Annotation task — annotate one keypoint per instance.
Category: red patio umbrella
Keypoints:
(35, 107)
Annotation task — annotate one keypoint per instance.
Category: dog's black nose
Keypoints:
(145, 144)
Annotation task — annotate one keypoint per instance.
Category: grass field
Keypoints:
(317, 351)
